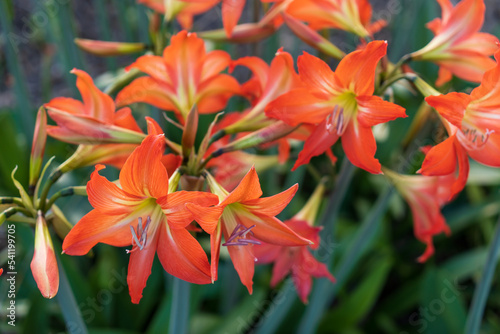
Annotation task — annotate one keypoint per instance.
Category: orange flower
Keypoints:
(425, 195)
(349, 15)
(93, 121)
(267, 83)
(341, 103)
(473, 126)
(297, 260)
(245, 219)
(186, 75)
(146, 212)
(458, 48)
(44, 263)
(182, 10)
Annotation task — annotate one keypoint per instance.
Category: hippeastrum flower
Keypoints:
(425, 195)
(148, 213)
(182, 10)
(245, 219)
(297, 260)
(349, 15)
(340, 103)
(93, 121)
(473, 124)
(267, 83)
(186, 75)
(458, 47)
(44, 263)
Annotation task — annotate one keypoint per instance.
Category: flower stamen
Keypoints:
(475, 139)
(336, 121)
(239, 237)
(139, 237)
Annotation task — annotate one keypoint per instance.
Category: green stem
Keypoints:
(179, 312)
(12, 200)
(61, 193)
(482, 290)
(6, 214)
(406, 58)
(46, 188)
(387, 83)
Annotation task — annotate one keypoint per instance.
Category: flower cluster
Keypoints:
(171, 194)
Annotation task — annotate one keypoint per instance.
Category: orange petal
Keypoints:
(154, 66)
(451, 106)
(358, 68)
(143, 174)
(283, 265)
(359, 146)
(273, 205)
(316, 74)
(97, 227)
(441, 159)
(267, 229)
(215, 62)
(231, 13)
(66, 104)
(215, 243)
(174, 206)
(97, 104)
(147, 90)
(318, 142)
(247, 189)
(489, 153)
(213, 94)
(182, 256)
(299, 106)
(372, 110)
(243, 261)
(106, 197)
(208, 218)
(124, 119)
(140, 264)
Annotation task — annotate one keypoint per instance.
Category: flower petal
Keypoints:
(97, 227)
(320, 140)
(147, 90)
(182, 256)
(451, 106)
(208, 218)
(106, 197)
(359, 146)
(140, 264)
(174, 206)
(97, 104)
(372, 110)
(273, 205)
(247, 189)
(143, 174)
(441, 159)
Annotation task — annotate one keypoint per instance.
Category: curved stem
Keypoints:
(387, 83)
(481, 293)
(61, 193)
(46, 188)
(406, 58)
(12, 200)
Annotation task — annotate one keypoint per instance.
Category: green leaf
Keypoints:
(359, 302)
(442, 309)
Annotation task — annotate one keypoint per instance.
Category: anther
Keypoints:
(238, 237)
(139, 237)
